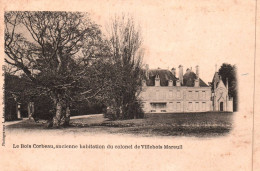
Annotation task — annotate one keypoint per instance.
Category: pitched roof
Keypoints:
(166, 75)
(189, 80)
(216, 78)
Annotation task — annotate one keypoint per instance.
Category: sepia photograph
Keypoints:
(99, 80)
(62, 72)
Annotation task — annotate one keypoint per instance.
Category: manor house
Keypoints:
(163, 92)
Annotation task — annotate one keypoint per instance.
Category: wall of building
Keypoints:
(176, 99)
(230, 105)
(222, 102)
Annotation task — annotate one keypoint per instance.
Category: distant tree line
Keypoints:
(64, 58)
(20, 89)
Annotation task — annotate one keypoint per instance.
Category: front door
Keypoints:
(221, 106)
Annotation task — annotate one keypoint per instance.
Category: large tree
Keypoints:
(228, 73)
(126, 68)
(54, 50)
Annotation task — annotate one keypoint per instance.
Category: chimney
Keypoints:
(181, 74)
(173, 71)
(197, 72)
(157, 80)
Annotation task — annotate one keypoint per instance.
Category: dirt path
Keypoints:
(14, 122)
(85, 116)
(72, 118)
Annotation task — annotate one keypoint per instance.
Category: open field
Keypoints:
(177, 124)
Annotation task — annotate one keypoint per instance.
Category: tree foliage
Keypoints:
(229, 72)
(125, 68)
(54, 50)
(64, 56)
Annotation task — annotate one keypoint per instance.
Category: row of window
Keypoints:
(196, 95)
(177, 106)
(192, 106)
(196, 106)
(163, 106)
(193, 95)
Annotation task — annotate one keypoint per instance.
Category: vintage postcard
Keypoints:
(129, 85)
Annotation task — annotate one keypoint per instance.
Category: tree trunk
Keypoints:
(62, 115)
(65, 120)
(58, 115)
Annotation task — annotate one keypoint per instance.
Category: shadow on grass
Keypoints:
(181, 131)
(208, 124)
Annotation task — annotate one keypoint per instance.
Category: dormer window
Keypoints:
(197, 83)
(178, 83)
(170, 83)
(157, 80)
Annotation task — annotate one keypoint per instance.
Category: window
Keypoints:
(197, 106)
(173, 94)
(174, 106)
(178, 106)
(190, 94)
(178, 94)
(153, 106)
(162, 95)
(190, 106)
(204, 106)
(170, 94)
(171, 106)
(203, 95)
(197, 95)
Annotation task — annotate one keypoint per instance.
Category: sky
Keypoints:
(189, 33)
(192, 33)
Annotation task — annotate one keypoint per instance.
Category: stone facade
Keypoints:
(221, 100)
(162, 92)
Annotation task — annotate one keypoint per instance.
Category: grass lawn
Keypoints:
(176, 124)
